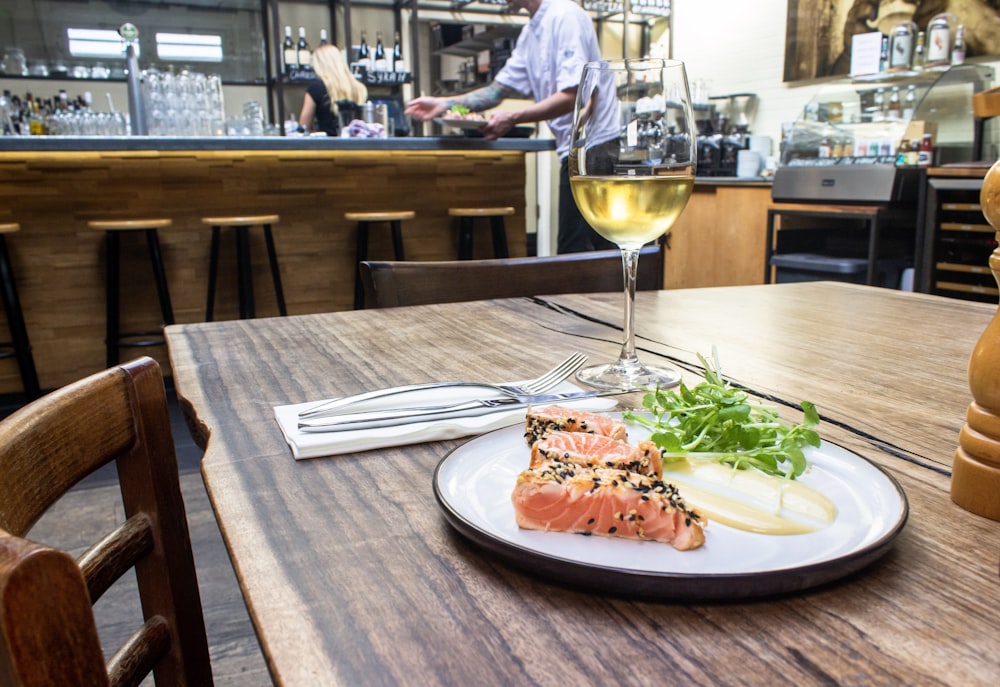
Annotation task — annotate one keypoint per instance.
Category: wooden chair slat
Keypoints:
(107, 560)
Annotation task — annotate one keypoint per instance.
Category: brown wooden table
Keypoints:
(353, 576)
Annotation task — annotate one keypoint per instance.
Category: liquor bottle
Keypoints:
(364, 58)
(958, 48)
(883, 60)
(910, 102)
(398, 63)
(288, 52)
(920, 51)
(379, 53)
(302, 52)
(894, 111)
(323, 40)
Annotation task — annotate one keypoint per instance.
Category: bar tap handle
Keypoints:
(136, 111)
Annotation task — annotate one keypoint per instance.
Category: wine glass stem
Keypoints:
(630, 264)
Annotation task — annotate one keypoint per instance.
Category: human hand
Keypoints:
(500, 123)
(425, 108)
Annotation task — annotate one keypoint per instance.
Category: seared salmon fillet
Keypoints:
(595, 450)
(563, 497)
(541, 421)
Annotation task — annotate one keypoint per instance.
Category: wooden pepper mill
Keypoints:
(975, 477)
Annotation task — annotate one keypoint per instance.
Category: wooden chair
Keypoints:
(389, 284)
(48, 634)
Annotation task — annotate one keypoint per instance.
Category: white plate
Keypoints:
(474, 482)
(461, 123)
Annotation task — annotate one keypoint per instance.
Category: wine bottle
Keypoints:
(364, 58)
(288, 52)
(323, 40)
(302, 52)
(379, 53)
(398, 63)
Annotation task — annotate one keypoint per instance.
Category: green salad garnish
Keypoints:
(715, 422)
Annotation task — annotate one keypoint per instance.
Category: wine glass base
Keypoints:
(625, 376)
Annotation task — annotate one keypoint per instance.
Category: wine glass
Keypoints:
(632, 166)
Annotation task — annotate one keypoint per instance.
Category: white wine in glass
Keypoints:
(632, 166)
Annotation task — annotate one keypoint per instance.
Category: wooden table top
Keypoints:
(353, 576)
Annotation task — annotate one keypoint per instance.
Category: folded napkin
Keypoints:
(316, 444)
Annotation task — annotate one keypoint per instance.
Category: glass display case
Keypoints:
(857, 138)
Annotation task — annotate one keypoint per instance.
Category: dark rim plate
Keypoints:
(473, 484)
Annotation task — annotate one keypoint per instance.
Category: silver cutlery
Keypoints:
(373, 419)
(539, 385)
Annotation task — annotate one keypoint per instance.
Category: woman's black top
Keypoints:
(326, 119)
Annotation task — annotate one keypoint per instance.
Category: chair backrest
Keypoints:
(48, 634)
(389, 284)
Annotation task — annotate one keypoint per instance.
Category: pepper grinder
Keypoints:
(975, 477)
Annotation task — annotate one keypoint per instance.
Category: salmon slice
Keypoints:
(563, 497)
(595, 450)
(541, 421)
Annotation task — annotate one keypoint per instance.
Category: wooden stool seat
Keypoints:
(481, 212)
(364, 220)
(379, 216)
(20, 346)
(115, 339)
(129, 224)
(241, 225)
(241, 221)
(466, 216)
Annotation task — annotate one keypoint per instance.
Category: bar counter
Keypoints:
(53, 186)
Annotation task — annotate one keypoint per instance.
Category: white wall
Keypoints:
(740, 47)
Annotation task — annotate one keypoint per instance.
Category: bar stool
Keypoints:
(364, 220)
(244, 273)
(466, 217)
(116, 339)
(19, 344)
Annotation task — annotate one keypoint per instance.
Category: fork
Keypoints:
(531, 387)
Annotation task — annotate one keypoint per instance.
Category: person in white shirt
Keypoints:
(546, 65)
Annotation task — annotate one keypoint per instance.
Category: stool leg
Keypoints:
(499, 237)
(465, 238)
(160, 276)
(360, 254)
(112, 298)
(397, 239)
(213, 268)
(244, 274)
(272, 257)
(15, 320)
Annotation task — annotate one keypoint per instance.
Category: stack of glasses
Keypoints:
(185, 104)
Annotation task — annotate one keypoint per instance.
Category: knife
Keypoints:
(373, 419)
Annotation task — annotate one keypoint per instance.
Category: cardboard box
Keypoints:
(916, 129)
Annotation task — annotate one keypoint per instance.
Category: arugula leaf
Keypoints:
(459, 109)
(713, 421)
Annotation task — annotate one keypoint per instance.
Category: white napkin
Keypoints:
(316, 444)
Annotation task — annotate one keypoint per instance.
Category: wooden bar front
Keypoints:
(59, 262)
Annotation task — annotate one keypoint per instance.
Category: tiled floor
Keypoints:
(95, 506)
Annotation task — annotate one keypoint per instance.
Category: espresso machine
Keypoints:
(723, 129)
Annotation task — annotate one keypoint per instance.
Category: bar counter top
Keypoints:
(267, 143)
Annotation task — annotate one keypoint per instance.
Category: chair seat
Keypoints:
(481, 212)
(241, 220)
(9, 228)
(380, 216)
(128, 224)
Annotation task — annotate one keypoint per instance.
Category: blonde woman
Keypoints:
(333, 87)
